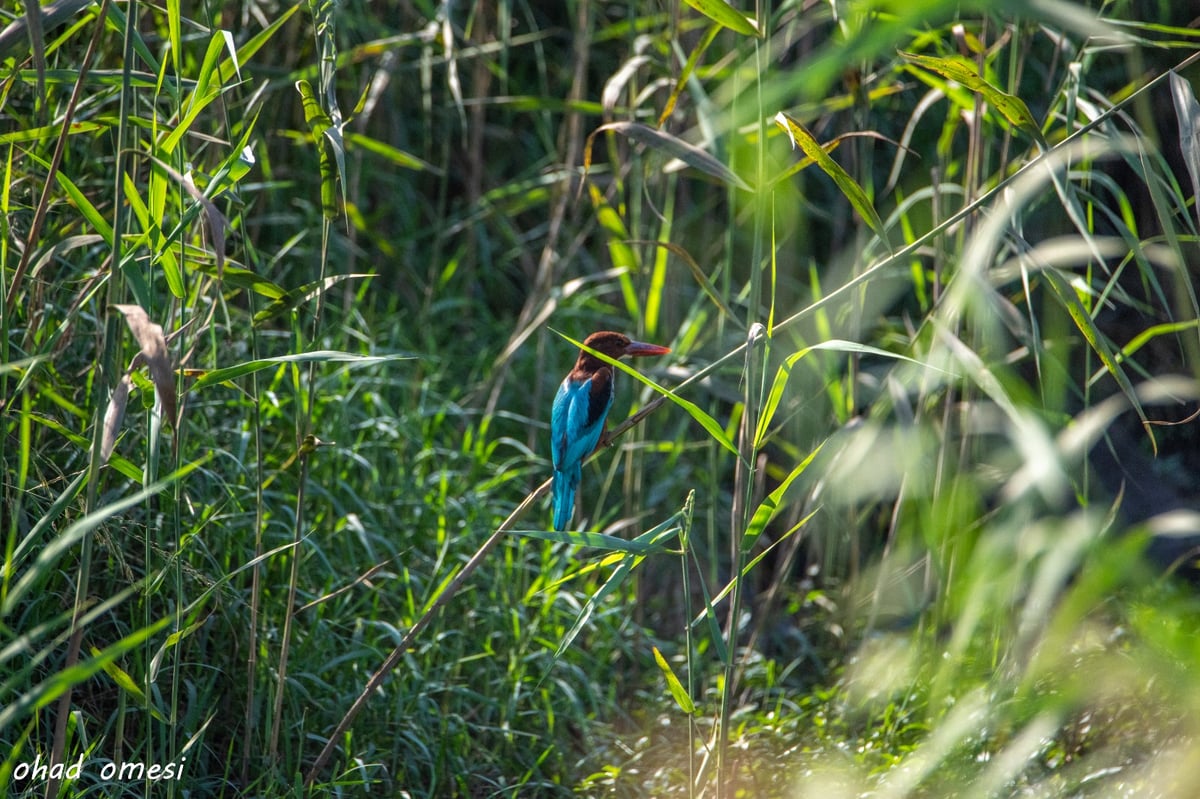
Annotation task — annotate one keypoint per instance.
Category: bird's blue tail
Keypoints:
(565, 484)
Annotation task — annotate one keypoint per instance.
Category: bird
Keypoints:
(579, 416)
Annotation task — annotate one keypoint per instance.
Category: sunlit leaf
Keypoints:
(1091, 333)
(853, 192)
(582, 538)
(624, 258)
(724, 14)
(615, 580)
(769, 507)
(97, 220)
(319, 124)
(965, 72)
(50, 132)
(127, 684)
(389, 152)
(685, 75)
(674, 685)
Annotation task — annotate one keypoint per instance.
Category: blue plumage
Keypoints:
(577, 419)
(576, 426)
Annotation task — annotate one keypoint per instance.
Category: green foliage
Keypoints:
(907, 512)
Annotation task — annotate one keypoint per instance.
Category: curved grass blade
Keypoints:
(1145, 337)
(291, 299)
(771, 503)
(701, 278)
(583, 538)
(652, 537)
(214, 376)
(710, 613)
(1087, 326)
(685, 74)
(674, 685)
(849, 187)
(619, 80)
(1187, 110)
(126, 683)
(785, 369)
(670, 145)
(965, 72)
(614, 581)
(726, 15)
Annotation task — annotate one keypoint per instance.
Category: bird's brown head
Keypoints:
(618, 345)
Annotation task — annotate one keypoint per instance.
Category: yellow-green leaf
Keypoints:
(801, 138)
(685, 74)
(964, 72)
(674, 685)
(770, 505)
(393, 154)
(624, 258)
(724, 14)
(126, 683)
(319, 124)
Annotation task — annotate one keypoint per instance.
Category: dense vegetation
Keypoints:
(285, 295)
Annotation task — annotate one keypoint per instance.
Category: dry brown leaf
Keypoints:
(215, 222)
(113, 417)
(154, 351)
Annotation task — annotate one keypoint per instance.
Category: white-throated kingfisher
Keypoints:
(580, 413)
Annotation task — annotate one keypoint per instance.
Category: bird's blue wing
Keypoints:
(559, 414)
(576, 423)
(577, 419)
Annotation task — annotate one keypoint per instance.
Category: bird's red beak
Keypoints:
(641, 348)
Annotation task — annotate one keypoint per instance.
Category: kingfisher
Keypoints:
(580, 411)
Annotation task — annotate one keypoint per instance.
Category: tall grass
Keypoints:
(287, 291)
